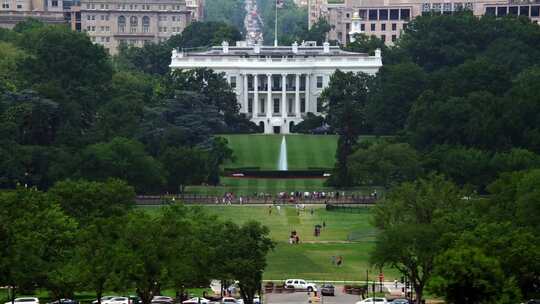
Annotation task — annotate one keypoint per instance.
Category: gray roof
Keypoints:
(279, 51)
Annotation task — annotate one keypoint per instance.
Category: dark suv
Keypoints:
(327, 290)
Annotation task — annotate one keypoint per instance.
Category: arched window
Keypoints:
(121, 24)
(145, 24)
(133, 22)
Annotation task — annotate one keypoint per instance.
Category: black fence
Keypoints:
(350, 207)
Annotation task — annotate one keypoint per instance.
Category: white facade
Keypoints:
(277, 86)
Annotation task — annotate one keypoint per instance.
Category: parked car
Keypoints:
(162, 300)
(196, 300)
(373, 300)
(327, 290)
(400, 301)
(300, 284)
(104, 299)
(64, 301)
(25, 301)
(117, 300)
(229, 300)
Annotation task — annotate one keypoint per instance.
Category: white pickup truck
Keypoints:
(300, 284)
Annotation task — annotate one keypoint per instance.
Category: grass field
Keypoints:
(350, 235)
(303, 151)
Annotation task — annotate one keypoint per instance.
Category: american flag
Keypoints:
(279, 3)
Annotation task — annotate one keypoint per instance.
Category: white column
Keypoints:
(297, 96)
(269, 97)
(255, 95)
(308, 93)
(246, 95)
(284, 102)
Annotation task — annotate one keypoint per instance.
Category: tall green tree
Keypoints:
(35, 236)
(66, 67)
(124, 159)
(467, 275)
(85, 200)
(384, 164)
(245, 260)
(412, 219)
(345, 101)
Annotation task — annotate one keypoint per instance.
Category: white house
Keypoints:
(277, 86)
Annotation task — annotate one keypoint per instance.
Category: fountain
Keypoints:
(282, 163)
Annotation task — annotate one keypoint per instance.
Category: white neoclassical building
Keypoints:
(277, 86)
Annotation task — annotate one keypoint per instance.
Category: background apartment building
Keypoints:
(15, 11)
(134, 22)
(387, 18)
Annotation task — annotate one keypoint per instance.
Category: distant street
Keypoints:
(252, 22)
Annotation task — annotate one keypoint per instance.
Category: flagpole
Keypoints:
(275, 26)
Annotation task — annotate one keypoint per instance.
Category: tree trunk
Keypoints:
(419, 294)
(99, 294)
(13, 293)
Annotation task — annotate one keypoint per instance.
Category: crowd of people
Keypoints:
(297, 197)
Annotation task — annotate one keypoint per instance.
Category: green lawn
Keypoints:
(350, 235)
(303, 151)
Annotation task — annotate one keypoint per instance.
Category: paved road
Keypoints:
(302, 298)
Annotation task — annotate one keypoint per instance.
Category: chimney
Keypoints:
(225, 46)
(326, 47)
(295, 47)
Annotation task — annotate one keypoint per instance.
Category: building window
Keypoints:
(362, 14)
(490, 11)
(383, 14)
(394, 27)
(133, 23)
(383, 27)
(319, 82)
(54, 3)
(524, 10)
(348, 15)
(394, 14)
(250, 105)
(394, 38)
(233, 82)
(19, 6)
(319, 104)
(276, 105)
(290, 105)
(535, 11)
(121, 24)
(426, 7)
(513, 10)
(469, 6)
(383, 38)
(372, 14)
(145, 24)
(373, 27)
(303, 105)
(362, 27)
(501, 11)
(405, 14)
